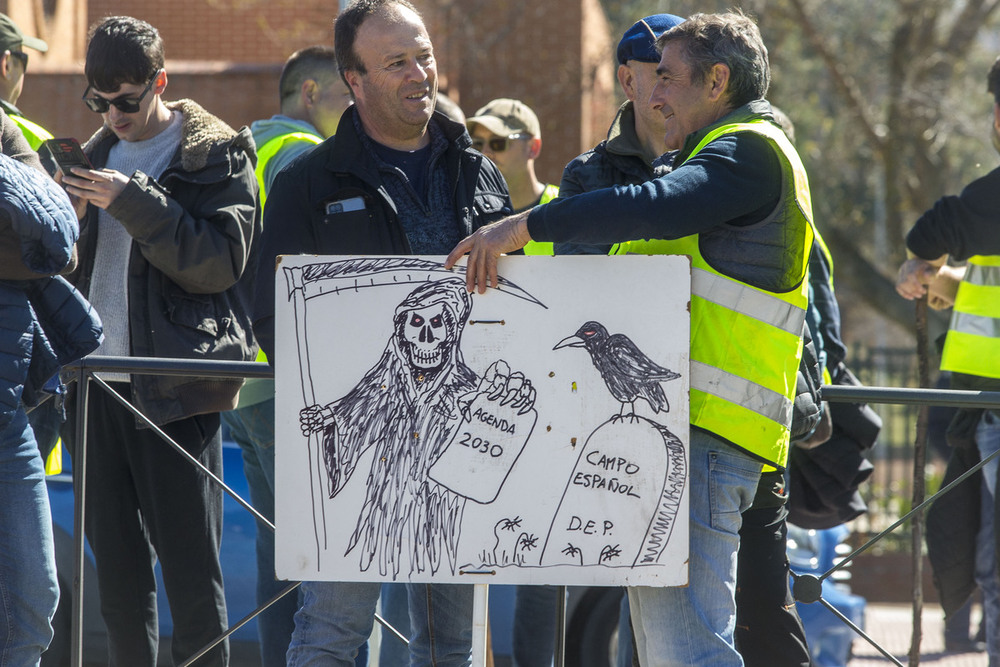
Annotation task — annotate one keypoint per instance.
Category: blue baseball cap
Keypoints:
(639, 41)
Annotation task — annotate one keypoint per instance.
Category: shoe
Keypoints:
(966, 646)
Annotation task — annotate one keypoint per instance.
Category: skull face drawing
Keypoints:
(427, 337)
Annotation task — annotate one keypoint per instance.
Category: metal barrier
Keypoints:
(806, 588)
(84, 371)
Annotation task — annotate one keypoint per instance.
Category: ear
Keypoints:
(718, 80)
(627, 81)
(353, 79)
(5, 63)
(996, 116)
(161, 83)
(534, 148)
(307, 93)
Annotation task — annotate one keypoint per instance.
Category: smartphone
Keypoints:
(66, 153)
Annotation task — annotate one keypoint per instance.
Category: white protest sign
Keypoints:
(533, 434)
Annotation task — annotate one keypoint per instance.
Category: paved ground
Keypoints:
(891, 625)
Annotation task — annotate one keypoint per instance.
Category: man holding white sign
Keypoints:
(737, 201)
(397, 180)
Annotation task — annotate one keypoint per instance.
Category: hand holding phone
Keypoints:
(66, 153)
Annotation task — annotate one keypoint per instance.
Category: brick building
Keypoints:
(227, 54)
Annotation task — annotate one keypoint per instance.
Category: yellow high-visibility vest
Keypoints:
(32, 131)
(271, 148)
(972, 345)
(746, 341)
(264, 155)
(543, 247)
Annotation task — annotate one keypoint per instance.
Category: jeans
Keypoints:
(252, 428)
(988, 441)
(337, 617)
(46, 421)
(29, 591)
(694, 625)
(395, 612)
(535, 610)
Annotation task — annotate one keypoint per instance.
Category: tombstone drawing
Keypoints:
(635, 464)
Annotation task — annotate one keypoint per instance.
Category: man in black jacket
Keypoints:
(963, 227)
(167, 220)
(396, 179)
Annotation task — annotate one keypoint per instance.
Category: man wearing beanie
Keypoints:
(634, 151)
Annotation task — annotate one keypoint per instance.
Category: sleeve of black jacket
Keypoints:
(960, 225)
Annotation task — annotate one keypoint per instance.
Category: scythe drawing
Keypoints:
(352, 275)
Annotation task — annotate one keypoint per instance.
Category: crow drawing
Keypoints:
(626, 370)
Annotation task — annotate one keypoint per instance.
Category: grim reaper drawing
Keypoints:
(408, 408)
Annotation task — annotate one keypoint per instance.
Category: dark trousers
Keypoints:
(769, 631)
(145, 501)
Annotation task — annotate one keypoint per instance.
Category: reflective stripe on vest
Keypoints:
(543, 247)
(972, 345)
(33, 132)
(746, 342)
(271, 148)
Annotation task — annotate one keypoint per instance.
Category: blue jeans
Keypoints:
(252, 428)
(988, 441)
(395, 612)
(535, 610)
(694, 625)
(29, 591)
(337, 617)
(46, 421)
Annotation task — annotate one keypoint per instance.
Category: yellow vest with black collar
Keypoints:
(746, 339)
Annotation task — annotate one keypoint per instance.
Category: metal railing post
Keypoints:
(79, 493)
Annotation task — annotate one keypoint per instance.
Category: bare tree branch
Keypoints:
(843, 82)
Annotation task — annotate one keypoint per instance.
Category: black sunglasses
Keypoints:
(22, 56)
(123, 104)
(496, 144)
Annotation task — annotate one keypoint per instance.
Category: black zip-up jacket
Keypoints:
(193, 230)
(343, 170)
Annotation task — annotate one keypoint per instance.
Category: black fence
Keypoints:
(889, 490)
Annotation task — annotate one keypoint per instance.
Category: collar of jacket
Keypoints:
(204, 138)
(622, 137)
(350, 155)
(623, 140)
(747, 112)
(10, 109)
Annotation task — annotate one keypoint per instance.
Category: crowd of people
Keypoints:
(165, 246)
